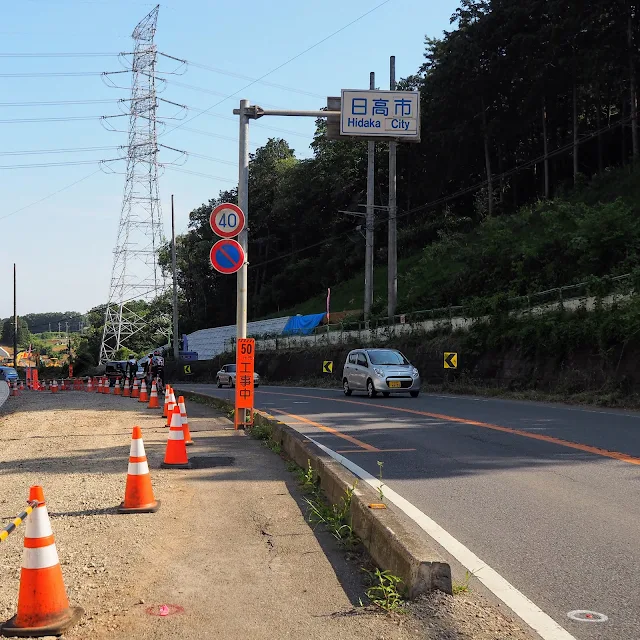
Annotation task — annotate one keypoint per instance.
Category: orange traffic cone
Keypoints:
(95, 385)
(165, 408)
(170, 407)
(185, 421)
(127, 389)
(21, 385)
(153, 398)
(135, 392)
(54, 386)
(89, 385)
(14, 389)
(144, 396)
(138, 494)
(106, 387)
(175, 456)
(43, 607)
(117, 391)
(99, 385)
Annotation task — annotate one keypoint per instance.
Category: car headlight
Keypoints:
(379, 373)
(415, 372)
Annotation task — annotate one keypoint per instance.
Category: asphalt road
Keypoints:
(548, 495)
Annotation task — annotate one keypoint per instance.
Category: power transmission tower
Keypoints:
(136, 274)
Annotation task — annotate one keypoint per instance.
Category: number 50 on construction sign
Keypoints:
(245, 358)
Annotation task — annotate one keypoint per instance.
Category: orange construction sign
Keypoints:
(244, 373)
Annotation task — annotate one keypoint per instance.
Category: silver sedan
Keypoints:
(227, 376)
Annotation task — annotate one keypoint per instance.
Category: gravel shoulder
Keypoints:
(229, 546)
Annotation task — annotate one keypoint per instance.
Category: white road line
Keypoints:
(536, 618)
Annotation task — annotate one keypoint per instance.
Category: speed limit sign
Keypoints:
(227, 220)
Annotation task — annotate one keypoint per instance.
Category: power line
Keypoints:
(49, 151)
(51, 103)
(244, 77)
(55, 193)
(59, 55)
(63, 119)
(201, 175)
(57, 164)
(262, 77)
(214, 135)
(57, 74)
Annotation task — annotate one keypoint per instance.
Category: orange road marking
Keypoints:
(335, 432)
(616, 455)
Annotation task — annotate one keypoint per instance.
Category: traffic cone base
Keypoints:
(43, 607)
(55, 627)
(138, 494)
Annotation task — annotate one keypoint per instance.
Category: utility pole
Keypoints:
(243, 203)
(176, 346)
(392, 251)
(15, 321)
(369, 224)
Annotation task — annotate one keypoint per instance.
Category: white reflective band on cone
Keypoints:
(38, 525)
(138, 468)
(40, 558)
(137, 448)
(176, 434)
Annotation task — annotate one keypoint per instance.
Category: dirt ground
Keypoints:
(229, 551)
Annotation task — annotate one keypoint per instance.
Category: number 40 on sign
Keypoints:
(227, 220)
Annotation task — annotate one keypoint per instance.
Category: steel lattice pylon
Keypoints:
(136, 274)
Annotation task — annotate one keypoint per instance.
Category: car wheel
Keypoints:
(414, 394)
(218, 383)
(345, 387)
(371, 390)
(386, 394)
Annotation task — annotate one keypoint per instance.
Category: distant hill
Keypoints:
(43, 322)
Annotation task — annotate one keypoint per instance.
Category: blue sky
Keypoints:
(63, 244)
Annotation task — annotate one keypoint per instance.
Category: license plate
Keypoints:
(394, 384)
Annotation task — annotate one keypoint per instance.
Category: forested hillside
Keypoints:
(529, 130)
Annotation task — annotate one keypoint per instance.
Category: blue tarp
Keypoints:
(302, 325)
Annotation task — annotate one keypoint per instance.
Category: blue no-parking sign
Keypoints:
(227, 256)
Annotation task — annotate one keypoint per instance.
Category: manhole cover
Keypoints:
(582, 615)
(163, 610)
(210, 462)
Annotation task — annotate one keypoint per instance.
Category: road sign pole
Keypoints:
(368, 266)
(176, 346)
(392, 249)
(243, 203)
(15, 321)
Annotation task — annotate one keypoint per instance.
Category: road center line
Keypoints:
(536, 618)
(616, 455)
(332, 431)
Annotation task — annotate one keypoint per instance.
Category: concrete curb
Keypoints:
(394, 541)
(4, 392)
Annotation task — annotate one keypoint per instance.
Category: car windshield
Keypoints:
(385, 356)
(231, 368)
